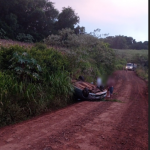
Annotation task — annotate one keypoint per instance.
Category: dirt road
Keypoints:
(89, 125)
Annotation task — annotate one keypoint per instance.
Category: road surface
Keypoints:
(101, 125)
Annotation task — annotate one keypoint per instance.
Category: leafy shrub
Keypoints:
(40, 46)
(25, 37)
(23, 98)
(3, 34)
(50, 60)
(67, 38)
(25, 67)
(7, 53)
(88, 56)
(119, 67)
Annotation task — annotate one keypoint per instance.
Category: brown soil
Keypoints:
(8, 43)
(97, 125)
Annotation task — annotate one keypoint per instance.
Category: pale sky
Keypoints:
(116, 17)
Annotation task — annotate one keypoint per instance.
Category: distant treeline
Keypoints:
(33, 20)
(124, 42)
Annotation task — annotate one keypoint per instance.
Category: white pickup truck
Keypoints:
(129, 66)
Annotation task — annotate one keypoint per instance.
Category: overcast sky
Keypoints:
(116, 17)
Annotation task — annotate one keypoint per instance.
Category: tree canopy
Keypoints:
(37, 18)
(67, 19)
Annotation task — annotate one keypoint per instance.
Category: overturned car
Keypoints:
(87, 91)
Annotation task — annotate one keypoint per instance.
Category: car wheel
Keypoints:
(81, 78)
(85, 92)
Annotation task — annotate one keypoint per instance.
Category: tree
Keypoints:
(79, 30)
(33, 17)
(96, 33)
(124, 42)
(67, 19)
(120, 42)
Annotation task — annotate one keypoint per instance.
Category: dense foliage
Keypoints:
(32, 81)
(38, 79)
(33, 20)
(90, 56)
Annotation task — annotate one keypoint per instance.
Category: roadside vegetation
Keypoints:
(32, 81)
(37, 79)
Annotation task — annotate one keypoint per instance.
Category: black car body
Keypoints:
(87, 91)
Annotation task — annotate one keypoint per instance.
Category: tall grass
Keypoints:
(22, 99)
(142, 72)
(16, 99)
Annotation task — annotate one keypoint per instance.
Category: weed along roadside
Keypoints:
(32, 81)
(38, 79)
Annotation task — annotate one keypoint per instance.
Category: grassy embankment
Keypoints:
(35, 79)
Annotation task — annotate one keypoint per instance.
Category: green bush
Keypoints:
(50, 60)
(89, 58)
(119, 67)
(6, 53)
(25, 67)
(22, 99)
(25, 37)
(3, 34)
(40, 46)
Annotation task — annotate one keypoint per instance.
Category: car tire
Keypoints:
(85, 92)
(81, 78)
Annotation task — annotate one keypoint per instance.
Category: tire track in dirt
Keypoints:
(48, 125)
(102, 128)
(87, 122)
(134, 125)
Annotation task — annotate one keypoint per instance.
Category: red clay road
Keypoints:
(101, 125)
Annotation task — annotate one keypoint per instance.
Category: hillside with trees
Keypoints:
(33, 20)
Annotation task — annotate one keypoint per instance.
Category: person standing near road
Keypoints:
(110, 87)
(99, 82)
